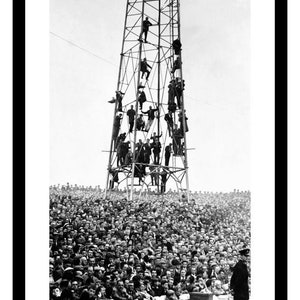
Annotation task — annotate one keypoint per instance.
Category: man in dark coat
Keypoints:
(147, 152)
(156, 146)
(141, 99)
(179, 87)
(146, 25)
(177, 136)
(171, 92)
(239, 279)
(181, 120)
(169, 120)
(122, 152)
(151, 117)
(131, 114)
(167, 154)
(177, 46)
(116, 128)
(163, 175)
(119, 98)
(140, 123)
(144, 68)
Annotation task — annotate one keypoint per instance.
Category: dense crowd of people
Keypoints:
(153, 246)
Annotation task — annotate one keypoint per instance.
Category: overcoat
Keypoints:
(239, 281)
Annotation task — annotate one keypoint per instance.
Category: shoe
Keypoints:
(112, 101)
(119, 92)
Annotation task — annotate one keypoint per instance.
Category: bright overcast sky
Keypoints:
(216, 66)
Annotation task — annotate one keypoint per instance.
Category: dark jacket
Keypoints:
(146, 25)
(150, 113)
(156, 147)
(169, 119)
(142, 97)
(158, 290)
(144, 66)
(167, 151)
(239, 281)
(131, 114)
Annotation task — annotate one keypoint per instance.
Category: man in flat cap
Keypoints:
(239, 279)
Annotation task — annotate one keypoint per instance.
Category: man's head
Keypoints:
(90, 271)
(244, 254)
(130, 285)
(91, 292)
(74, 284)
(120, 284)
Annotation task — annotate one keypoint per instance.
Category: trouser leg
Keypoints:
(120, 106)
(131, 126)
(167, 159)
(149, 123)
(111, 184)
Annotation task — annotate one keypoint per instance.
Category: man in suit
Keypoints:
(239, 279)
(146, 25)
(140, 123)
(169, 119)
(163, 175)
(179, 87)
(176, 46)
(147, 152)
(116, 128)
(156, 146)
(119, 98)
(144, 68)
(141, 99)
(177, 136)
(131, 114)
(167, 154)
(151, 116)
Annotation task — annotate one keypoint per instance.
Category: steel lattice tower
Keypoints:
(130, 160)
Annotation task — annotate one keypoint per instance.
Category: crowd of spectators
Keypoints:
(155, 246)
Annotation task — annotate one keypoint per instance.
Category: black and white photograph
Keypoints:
(150, 150)
(150, 185)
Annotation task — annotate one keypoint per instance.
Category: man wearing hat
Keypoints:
(239, 279)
